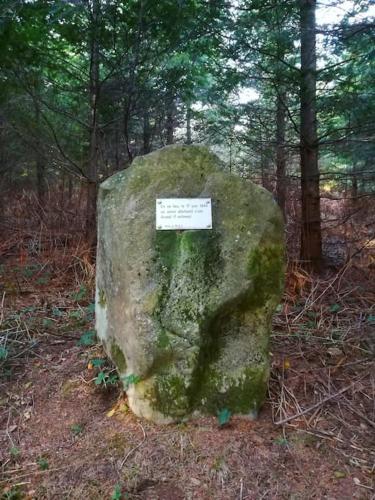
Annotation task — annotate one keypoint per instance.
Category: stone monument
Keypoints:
(189, 271)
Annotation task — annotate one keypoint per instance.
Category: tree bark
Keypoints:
(39, 159)
(117, 147)
(188, 125)
(311, 238)
(92, 171)
(146, 133)
(280, 151)
(126, 132)
(170, 119)
(70, 189)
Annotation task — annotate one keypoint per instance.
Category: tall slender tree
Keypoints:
(311, 237)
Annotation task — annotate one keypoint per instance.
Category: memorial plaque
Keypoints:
(183, 213)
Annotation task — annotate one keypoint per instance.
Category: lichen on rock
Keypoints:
(188, 312)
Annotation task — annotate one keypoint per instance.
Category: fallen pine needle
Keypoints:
(307, 410)
(135, 448)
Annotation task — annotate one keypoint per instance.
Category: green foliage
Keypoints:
(14, 493)
(281, 441)
(30, 271)
(76, 429)
(334, 308)
(97, 362)
(87, 338)
(47, 322)
(117, 493)
(43, 280)
(28, 309)
(91, 308)
(76, 314)
(43, 463)
(223, 417)
(15, 452)
(57, 312)
(106, 378)
(3, 353)
(184, 59)
(81, 294)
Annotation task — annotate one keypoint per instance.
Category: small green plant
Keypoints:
(14, 452)
(43, 280)
(90, 309)
(312, 314)
(97, 362)
(56, 312)
(223, 417)
(47, 322)
(87, 338)
(129, 380)
(117, 493)
(76, 429)
(3, 353)
(106, 378)
(80, 294)
(13, 493)
(75, 314)
(29, 271)
(43, 463)
(281, 441)
(28, 309)
(334, 308)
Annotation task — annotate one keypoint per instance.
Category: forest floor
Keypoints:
(67, 434)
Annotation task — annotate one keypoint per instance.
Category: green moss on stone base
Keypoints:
(243, 393)
(118, 358)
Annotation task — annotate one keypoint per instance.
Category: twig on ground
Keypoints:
(307, 410)
(135, 448)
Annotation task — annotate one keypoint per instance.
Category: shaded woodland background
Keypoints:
(284, 92)
(88, 85)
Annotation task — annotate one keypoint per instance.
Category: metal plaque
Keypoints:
(183, 213)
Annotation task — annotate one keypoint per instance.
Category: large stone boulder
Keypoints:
(185, 315)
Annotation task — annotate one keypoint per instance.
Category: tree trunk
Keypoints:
(41, 180)
(117, 147)
(39, 162)
(146, 133)
(264, 164)
(170, 119)
(280, 151)
(92, 171)
(311, 238)
(70, 189)
(188, 125)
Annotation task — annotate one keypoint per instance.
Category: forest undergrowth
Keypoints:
(65, 428)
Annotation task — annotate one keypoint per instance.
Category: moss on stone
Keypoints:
(204, 387)
(169, 395)
(266, 269)
(192, 260)
(102, 299)
(118, 358)
(163, 340)
(242, 393)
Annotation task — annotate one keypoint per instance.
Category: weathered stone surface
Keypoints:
(188, 312)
